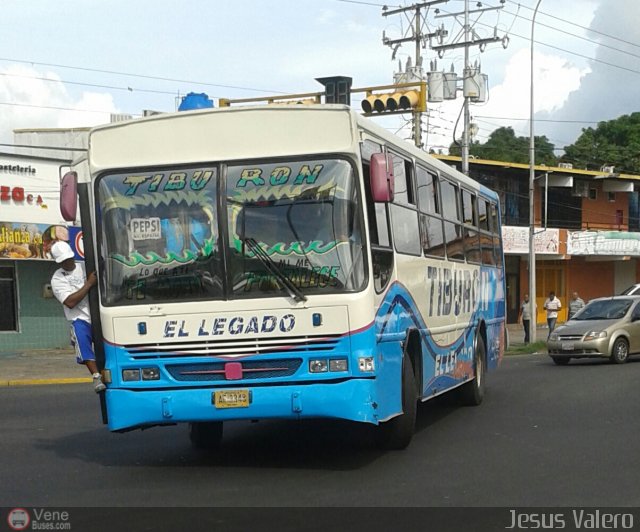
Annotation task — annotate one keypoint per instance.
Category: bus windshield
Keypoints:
(290, 223)
(304, 218)
(159, 239)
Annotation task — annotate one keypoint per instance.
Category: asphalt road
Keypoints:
(545, 436)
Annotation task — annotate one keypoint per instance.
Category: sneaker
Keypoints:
(98, 385)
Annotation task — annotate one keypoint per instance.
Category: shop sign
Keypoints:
(515, 240)
(18, 195)
(19, 240)
(603, 243)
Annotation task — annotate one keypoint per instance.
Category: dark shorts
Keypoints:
(81, 338)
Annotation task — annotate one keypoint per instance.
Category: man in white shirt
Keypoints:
(70, 286)
(552, 305)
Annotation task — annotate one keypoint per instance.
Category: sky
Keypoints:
(72, 63)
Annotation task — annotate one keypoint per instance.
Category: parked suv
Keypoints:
(606, 327)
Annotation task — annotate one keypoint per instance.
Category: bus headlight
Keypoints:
(150, 374)
(318, 366)
(129, 375)
(367, 364)
(338, 364)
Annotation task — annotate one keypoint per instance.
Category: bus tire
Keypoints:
(396, 433)
(206, 435)
(472, 393)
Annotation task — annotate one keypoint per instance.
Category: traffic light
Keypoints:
(337, 89)
(411, 99)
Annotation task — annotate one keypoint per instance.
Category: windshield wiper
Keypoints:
(273, 269)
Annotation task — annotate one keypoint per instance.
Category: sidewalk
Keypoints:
(41, 366)
(516, 334)
(58, 366)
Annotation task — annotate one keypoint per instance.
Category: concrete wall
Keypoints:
(42, 324)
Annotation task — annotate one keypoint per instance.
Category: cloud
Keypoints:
(606, 92)
(554, 81)
(31, 98)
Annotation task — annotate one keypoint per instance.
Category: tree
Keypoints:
(612, 143)
(503, 145)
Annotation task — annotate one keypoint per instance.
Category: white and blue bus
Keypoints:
(284, 262)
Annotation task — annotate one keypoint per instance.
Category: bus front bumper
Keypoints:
(351, 399)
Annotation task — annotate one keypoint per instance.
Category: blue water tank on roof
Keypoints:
(195, 100)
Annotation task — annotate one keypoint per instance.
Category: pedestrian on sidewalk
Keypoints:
(575, 304)
(525, 317)
(552, 305)
(70, 286)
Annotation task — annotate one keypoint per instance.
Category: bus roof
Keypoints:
(243, 133)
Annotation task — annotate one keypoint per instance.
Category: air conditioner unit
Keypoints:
(580, 189)
(565, 165)
(120, 117)
(608, 169)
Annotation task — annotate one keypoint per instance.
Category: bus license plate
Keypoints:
(231, 398)
(567, 346)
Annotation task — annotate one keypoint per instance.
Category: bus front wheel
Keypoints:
(205, 435)
(396, 433)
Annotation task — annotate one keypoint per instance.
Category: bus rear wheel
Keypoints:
(472, 392)
(206, 435)
(396, 434)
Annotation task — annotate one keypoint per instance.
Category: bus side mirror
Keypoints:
(69, 196)
(381, 178)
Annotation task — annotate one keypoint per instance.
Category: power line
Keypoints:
(595, 60)
(526, 134)
(157, 78)
(574, 35)
(539, 119)
(13, 104)
(129, 89)
(578, 25)
(362, 3)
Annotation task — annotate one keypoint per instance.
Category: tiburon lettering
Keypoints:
(453, 292)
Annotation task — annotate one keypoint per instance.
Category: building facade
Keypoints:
(30, 220)
(587, 230)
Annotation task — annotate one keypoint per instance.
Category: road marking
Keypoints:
(32, 382)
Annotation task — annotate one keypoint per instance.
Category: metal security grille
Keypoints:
(234, 348)
(215, 371)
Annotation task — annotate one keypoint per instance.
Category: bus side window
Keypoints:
(452, 227)
(405, 230)
(404, 192)
(431, 232)
(497, 237)
(404, 218)
(486, 239)
(472, 249)
(377, 213)
(483, 215)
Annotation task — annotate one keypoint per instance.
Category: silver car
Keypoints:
(607, 327)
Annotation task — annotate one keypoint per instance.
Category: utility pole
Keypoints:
(467, 119)
(418, 37)
(471, 78)
(532, 189)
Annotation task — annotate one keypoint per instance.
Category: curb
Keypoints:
(36, 382)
